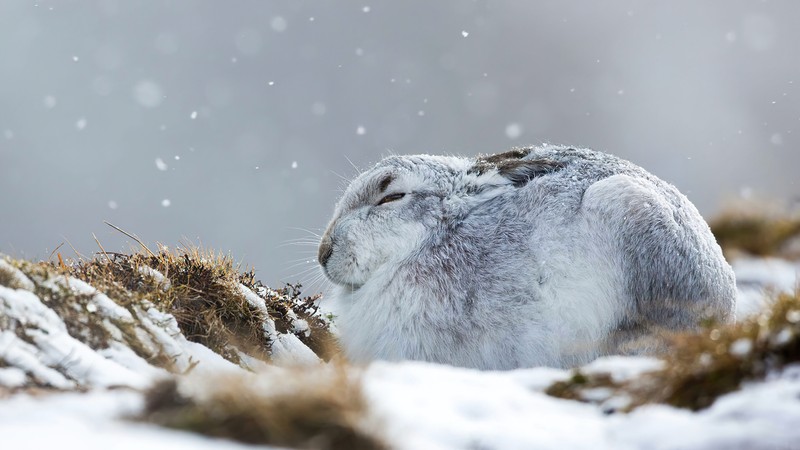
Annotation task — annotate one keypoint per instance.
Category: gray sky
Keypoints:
(231, 123)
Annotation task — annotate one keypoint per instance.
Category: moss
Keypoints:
(309, 410)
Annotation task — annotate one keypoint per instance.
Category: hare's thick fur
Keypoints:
(538, 256)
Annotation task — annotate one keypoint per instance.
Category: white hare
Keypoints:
(538, 256)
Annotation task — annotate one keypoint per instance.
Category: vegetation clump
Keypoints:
(321, 409)
(701, 367)
(149, 303)
(204, 292)
(757, 231)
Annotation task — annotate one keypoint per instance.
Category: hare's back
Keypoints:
(675, 274)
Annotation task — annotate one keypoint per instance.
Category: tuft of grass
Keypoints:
(10, 275)
(321, 409)
(201, 289)
(706, 365)
(755, 230)
(7, 278)
(80, 314)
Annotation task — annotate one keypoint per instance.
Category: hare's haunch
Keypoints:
(537, 256)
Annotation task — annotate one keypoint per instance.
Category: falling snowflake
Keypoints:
(147, 93)
(161, 165)
(278, 24)
(318, 109)
(513, 130)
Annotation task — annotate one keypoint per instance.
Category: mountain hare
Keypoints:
(538, 256)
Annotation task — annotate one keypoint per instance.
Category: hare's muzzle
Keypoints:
(325, 249)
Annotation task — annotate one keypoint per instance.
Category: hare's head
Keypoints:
(405, 204)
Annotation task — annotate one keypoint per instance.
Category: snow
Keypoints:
(758, 277)
(513, 130)
(186, 355)
(148, 93)
(741, 347)
(161, 165)
(54, 347)
(437, 407)
(24, 356)
(623, 368)
(155, 275)
(12, 377)
(278, 24)
(762, 415)
(93, 421)
(49, 102)
(413, 405)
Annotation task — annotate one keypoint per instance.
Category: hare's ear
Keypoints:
(514, 168)
(520, 171)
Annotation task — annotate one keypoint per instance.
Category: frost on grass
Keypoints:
(322, 408)
(121, 320)
(702, 366)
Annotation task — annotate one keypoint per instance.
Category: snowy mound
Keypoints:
(163, 351)
(59, 332)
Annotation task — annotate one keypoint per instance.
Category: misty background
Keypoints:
(232, 124)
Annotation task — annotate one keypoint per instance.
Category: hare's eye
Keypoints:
(391, 198)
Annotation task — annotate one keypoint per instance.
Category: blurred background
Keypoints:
(234, 124)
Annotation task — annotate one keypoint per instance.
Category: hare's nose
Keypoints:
(325, 249)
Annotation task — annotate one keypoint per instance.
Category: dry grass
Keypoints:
(201, 290)
(703, 366)
(7, 278)
(320, 409)
(757, 230)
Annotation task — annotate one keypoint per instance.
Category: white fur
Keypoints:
(472, 270)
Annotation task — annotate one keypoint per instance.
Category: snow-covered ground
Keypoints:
(412, 405)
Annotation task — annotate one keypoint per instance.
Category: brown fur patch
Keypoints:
(511, 165)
